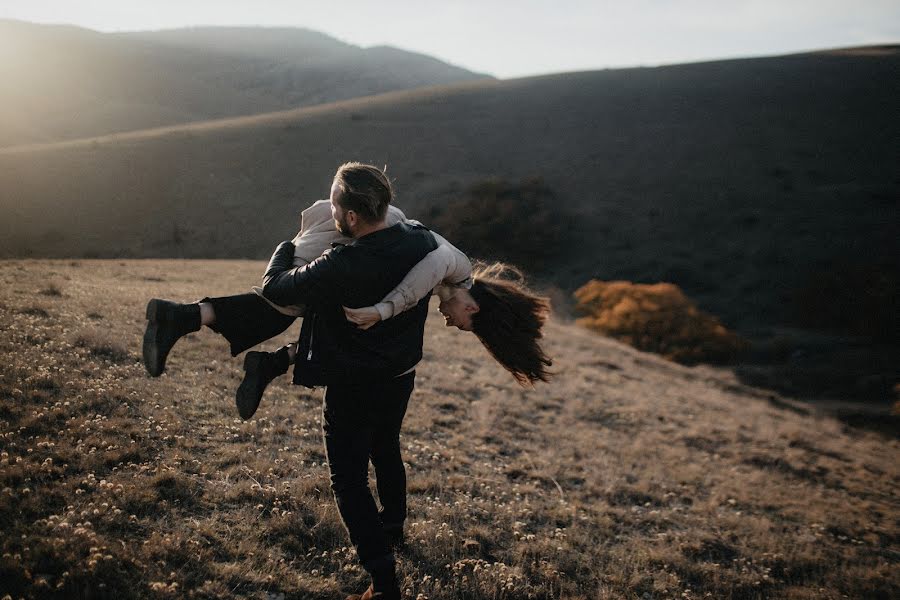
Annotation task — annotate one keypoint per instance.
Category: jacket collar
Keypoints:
(382, 236)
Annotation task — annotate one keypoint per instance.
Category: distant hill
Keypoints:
(766, 188)
(67, 82)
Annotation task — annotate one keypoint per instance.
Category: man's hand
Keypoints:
(363, 317)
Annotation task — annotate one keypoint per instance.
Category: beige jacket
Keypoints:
(445, 265)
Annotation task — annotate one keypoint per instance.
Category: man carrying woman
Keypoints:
(364, 306)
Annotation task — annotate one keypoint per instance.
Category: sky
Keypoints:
(515, 38)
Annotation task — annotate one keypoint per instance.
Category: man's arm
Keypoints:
(286, 285)
(445, 265)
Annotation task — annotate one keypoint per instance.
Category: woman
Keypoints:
(492, 302)
(498, 308)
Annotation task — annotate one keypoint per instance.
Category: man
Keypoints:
(369, 374)
(248, 319)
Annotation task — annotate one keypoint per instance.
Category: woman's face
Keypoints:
(458, 306)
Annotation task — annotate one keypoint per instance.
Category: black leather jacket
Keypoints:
(358, 274)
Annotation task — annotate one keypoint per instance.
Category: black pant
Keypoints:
(361, 421)
(246, 320)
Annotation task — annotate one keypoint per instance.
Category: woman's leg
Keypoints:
(245, 320)
(260, 368)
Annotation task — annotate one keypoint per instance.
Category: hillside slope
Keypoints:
(627, 477)
(65, 82)
(755, 185)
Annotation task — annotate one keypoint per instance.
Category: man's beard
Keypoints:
(343, 226)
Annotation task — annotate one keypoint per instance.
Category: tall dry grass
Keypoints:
(628, 477)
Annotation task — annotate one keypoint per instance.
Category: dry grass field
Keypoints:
(628, 477)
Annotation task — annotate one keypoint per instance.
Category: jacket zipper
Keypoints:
(312, 335)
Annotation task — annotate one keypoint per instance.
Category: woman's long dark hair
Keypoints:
(509, 321)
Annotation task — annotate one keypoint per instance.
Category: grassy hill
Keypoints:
(66, 82)
(628, 477)
(766, 188)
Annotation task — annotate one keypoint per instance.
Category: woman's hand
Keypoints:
(362, 317)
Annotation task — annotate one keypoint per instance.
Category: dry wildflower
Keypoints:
(128, 476)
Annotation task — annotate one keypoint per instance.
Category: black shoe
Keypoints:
(167, 323)
(384, 580)
(371, 594)
(260, 368)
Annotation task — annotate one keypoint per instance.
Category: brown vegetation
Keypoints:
(629, 477)
(656, 318)
(517, 222)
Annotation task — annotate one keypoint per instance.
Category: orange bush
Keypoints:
(657, 318)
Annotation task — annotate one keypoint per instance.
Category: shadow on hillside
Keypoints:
(523, 214)
(838, 345)
(855, 379)
(850, 371)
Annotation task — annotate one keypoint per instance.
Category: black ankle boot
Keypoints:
(384, 582)
(260, 368)
(166, 323)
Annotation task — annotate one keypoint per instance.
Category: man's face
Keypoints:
(458, 306)
(338, 213)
